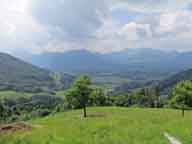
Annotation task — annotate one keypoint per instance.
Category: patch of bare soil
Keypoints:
(96, 115)
(5, 128)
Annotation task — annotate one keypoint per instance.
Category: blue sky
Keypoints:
(96, 25)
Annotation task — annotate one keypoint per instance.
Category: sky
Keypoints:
(102, 26)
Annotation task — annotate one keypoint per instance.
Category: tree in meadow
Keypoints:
(78, 95)
(181, 96)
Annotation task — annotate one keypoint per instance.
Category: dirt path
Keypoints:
(172, 139)
(14, 127)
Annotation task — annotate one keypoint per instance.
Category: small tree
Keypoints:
(80, 92)
(182, 96)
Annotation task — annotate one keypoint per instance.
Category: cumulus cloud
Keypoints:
(96, 25)
(71, 18)
(136, 31)
(153, 5)
(18, 29)
(165, 30)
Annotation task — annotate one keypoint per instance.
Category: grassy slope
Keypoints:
(14, 94)
(119, 126)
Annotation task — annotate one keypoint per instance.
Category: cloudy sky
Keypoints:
(97, 25)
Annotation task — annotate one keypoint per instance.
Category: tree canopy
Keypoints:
(182, 95)
(78, 95)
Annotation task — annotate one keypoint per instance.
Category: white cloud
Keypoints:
(167, 31)
(135, 31)
(153, 5)
(62, 25)
(18, 29)
(71, 18)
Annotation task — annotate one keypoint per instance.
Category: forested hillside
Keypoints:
(170, 82)
(18, 75)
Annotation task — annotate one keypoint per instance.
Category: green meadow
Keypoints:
(106, 125)
(14, 94)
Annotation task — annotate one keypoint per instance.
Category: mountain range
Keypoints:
(129, 60)
(124, 70)
(15, 74)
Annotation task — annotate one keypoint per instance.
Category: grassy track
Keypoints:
(111, 126)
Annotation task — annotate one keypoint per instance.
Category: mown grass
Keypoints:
(110, 125)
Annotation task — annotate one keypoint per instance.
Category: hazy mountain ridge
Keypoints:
(129, 60)
(18, 75)
(138, 66)
(73, 61)
(170, 82)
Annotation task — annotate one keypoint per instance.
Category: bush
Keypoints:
(26, 108)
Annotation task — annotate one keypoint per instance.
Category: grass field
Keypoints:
(14, 94)
(7, 94)
(107, 126)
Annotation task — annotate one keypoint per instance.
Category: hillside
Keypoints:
(18, 75)
(165, 85)
(123, 70)
(133, 65)
(170, 82)
(106, 126)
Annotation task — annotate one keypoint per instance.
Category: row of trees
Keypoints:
(79, 95)
(82, 94)
(25, 108)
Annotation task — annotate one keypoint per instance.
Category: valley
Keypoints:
(135, 66)
(95, 71)
(138, 103)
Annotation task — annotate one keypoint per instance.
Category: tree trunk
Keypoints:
(183, 110)
(84, 112)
